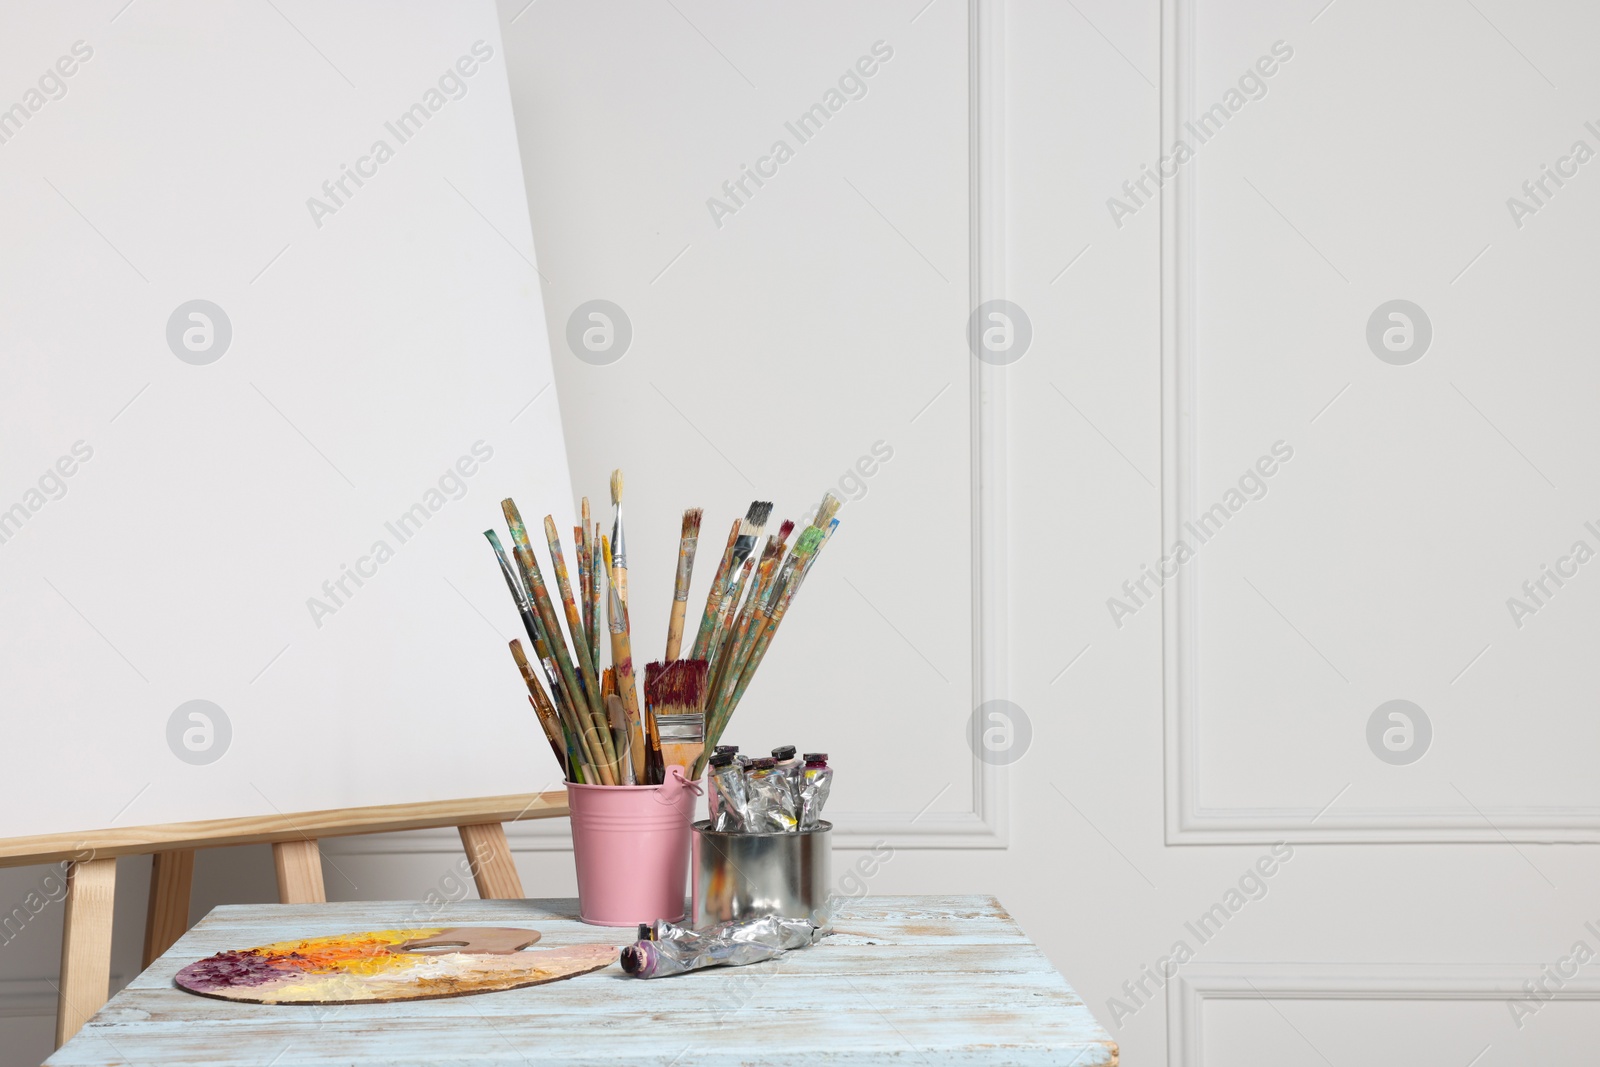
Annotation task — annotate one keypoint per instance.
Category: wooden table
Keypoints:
(934, 980)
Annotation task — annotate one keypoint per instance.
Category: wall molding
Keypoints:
(27, 998)
(985, 824)
(1188, 822)
(1188, 992)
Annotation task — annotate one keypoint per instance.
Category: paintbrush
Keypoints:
(688, 543)
(719, 580)
(619, 729)
(514, 583)
(552, 648)
(749, 534)
(596, 580)
(580, 546)
(742, 634)
(641, 739)
(619, 547)
(674, 696)
(730, 601)
(826, 510)
(618, 717)
(579, 736)
(739, 548)
(588, 547)
(542, 707)
(531, 623)
(580, 637)
(772, 613)
(720, 707)
(586, 702)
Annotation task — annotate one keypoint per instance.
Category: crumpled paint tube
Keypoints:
(732, 805)
(815, 782)
(674, 949)
(770, 799)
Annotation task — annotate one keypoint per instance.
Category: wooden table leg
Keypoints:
(299, 872)
(492, 866)
(85, 944)
(167, 919)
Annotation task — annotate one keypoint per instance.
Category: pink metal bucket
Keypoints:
(631, 846)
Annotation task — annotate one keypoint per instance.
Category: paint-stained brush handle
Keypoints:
(719, 586)
(622, 661)
(688, 545)
(543, 710)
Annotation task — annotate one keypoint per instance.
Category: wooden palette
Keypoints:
(382, 965)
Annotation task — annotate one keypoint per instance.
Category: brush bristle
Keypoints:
(810, 540)
(616, 486)
(691, 522)
(785, 530)
(680, 684)
(550, 528)
(760, 511)
(827, 509)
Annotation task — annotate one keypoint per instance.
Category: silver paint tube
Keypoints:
(771, 800)
(674, 949)
(732, 803)
(815, 782)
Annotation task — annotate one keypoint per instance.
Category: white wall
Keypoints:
(828, 302)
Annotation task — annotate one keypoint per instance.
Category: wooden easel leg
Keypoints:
(490, 857)
(85, 944)
(171, 876)
(299, 872)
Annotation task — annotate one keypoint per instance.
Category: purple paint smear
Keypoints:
(228, 970)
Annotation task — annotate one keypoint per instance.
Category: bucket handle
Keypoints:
(675, 776)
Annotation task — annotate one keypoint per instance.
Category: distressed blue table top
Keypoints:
(935, 980)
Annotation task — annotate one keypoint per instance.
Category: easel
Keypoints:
(92, 872)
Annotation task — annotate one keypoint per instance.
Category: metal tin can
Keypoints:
(744, 876)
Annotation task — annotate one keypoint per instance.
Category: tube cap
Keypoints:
(786, 752)
(816, 757)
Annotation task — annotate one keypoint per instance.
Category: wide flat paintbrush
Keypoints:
(674, 695)
(688, 543)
